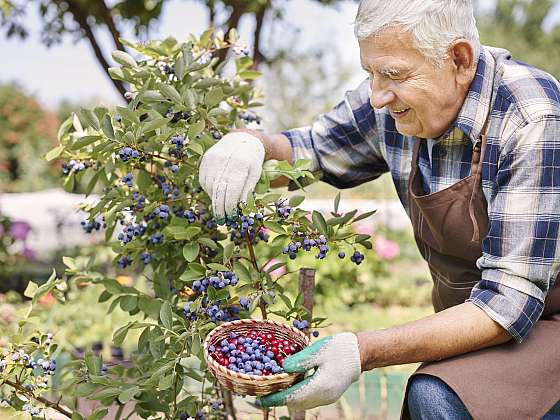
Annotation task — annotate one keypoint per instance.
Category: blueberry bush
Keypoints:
(144, 157)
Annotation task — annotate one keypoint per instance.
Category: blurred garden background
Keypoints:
(54, 59)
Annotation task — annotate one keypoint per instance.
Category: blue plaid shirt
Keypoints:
(354, 143)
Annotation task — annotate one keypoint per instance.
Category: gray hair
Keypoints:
(433, 24)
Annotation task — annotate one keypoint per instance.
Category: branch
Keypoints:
(110, 22)
(239, 8)
(81, 18)
(46, 402)
(258, 56)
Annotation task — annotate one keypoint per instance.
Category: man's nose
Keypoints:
(380, 94)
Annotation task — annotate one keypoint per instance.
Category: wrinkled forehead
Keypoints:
(390, 46)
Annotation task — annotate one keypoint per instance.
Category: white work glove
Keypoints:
(337, 359)
(229, 170)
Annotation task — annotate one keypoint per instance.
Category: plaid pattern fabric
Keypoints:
(354, 143)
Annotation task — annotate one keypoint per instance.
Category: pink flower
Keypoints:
(363, 228)
(278, 272)
(386, 249)
(19, 230)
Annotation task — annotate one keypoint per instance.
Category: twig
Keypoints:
(46, 402)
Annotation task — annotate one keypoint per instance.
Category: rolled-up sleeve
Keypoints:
(343, 144)
(520, 254)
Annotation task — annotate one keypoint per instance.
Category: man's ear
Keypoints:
(461, 53)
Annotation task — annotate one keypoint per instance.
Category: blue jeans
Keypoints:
(429, 398)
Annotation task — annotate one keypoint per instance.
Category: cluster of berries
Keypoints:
(186, 214)
(95, 224)
(157, 238)
(128, 179)
(168, 192)
(307, 243)
(245, 226)
(124, 261)
(130, 231)
(357, 257)
(249, 116)
(178, 141)
(127, 153)
(300, 325)
(257, 353)
(216, 134)
(140, 200)
(75, 165)
(219, 281)
(161, 211)
(146, 257)
(212, 310)
(282, 209)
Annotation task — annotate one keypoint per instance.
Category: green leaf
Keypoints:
(144, 180)
(150, 306)
(319, 222)
(98, 414)
(250, 74)
(228, 251)
(123, 58)
(93, 363)
(217, 267)
(296, 200)
(77, 416)
(170, 92)
(129, 303)
(361, 238)
(116, 73)
(166, 315)
(193, 272)
(30, 289)
(154, 125)
(84, 141)
(128, 114)
(191, 251)
(107, 127)
(336, 202)
(195, 129)
(241, 271)
(88, 117)
(165, 382)
(182, 233)
(214, 96)
(274, 227)
(120, 334)
(364, 216)
(54, 153)
(128, 394)
(69, 183)
(208, 242)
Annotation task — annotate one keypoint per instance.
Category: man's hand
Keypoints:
(230, 170)
(337, 359)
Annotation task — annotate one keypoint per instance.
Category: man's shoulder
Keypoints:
(525, 89)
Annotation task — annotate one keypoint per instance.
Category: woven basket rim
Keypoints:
(228, 372)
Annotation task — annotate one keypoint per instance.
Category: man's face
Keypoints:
(423, 99)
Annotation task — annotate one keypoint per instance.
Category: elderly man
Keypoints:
(470, 138)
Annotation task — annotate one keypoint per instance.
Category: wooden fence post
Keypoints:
(307, 289)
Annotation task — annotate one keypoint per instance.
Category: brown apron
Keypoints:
(508, 381)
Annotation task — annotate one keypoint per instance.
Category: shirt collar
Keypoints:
(474, 111)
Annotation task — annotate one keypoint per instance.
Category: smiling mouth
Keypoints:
(397, 114)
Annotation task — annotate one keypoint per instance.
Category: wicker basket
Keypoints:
(241, 383)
